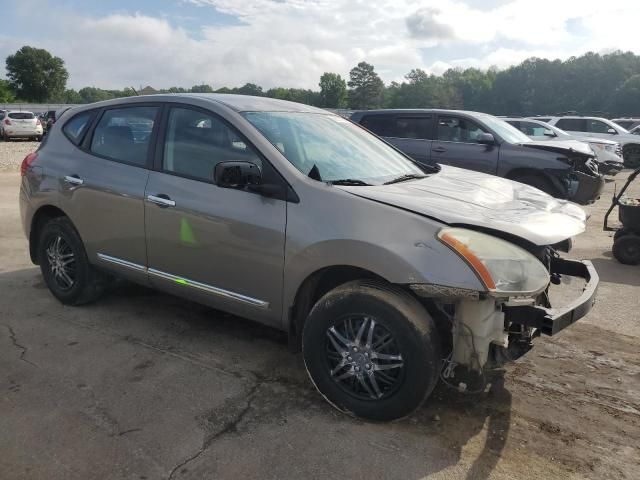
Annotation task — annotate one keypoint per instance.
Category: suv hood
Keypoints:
(463, 197)
(566, 147)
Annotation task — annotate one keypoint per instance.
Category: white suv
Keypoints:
(601, 128)
(21, 125)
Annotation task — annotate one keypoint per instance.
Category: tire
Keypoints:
(626, 249)
(403, 333)
(537, 181)
(619, 233)
(631, 156)
(57, 240)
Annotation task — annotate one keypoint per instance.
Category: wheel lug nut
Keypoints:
(349, 358)
(357, 369)
(355, 349)
(367, 366)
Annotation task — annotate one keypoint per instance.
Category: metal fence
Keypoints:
(35, 107)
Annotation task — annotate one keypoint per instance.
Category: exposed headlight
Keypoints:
(504, 268)
(603, 146)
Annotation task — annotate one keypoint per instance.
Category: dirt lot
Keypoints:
(143, 385)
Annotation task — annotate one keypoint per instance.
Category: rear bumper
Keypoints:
(552, 320)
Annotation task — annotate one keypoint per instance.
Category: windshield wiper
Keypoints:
(402, 178)
(349, 181)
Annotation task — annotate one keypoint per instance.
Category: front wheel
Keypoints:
(371, 350)
(626, 249)
(64, 264)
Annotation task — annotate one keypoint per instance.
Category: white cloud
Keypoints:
(292, 42)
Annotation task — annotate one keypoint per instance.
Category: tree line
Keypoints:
(605, 84)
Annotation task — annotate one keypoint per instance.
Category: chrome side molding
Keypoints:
(186, 282)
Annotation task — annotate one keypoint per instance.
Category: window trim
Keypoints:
(92, 115)
(397, 116)
(289, 194)
(88, 140)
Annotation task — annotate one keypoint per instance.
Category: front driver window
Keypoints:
(456, 129)
(596, 126)
(196, 142)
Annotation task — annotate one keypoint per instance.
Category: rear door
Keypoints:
(104, 181)
(220, 246)
(456, 145)
(410, 133)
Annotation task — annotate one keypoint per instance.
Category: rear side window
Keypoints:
(412, 127)
(378, 124)
(196, 142)
(22, 116)
(398, 126)
(572, 124)
(123, 134)
(531, 129)
(75, 128)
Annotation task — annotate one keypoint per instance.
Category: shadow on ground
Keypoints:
(278, 395)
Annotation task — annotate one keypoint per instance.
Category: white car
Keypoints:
(601, 128)
(608, 153)
(17, 124)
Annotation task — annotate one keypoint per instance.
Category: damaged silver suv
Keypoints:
(387, 274)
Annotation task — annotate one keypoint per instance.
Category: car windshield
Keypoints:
(332, 149)
(508, 133)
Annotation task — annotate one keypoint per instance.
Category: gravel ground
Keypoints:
(142, 385)
(12, 153)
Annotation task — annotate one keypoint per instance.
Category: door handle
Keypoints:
(439, 150)
(73, 180)
(161, 200)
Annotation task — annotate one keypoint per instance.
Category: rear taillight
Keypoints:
(7, 121)
(38, 122)
(26, 163)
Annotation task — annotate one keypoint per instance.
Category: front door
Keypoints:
(220, 246)
(457, 145)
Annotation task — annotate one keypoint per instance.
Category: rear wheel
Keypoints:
(371, 350)
(626, 249)
(64, 264)
(537, 181)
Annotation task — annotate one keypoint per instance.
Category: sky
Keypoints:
(290, 43)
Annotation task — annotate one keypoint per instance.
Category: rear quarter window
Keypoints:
(572, 124)
(75, 128)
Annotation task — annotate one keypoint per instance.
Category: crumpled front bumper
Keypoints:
(552, 320)
(586, 188)
(610, 167)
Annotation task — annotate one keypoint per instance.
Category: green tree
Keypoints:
(72, 96)
(6, 94)
(333, 91)
(626, 99)
(93, 94)
(36, 75)
(204, 88)
(249, 89)
(367, 88)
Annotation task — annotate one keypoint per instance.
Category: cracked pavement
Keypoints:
(141, 385)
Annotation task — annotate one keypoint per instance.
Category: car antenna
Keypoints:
(315, 173)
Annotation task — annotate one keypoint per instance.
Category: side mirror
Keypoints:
(237, 174)
(548, 133)
(486, 139)
(612, 131)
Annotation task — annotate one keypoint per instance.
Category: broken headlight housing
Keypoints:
(504, 268)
